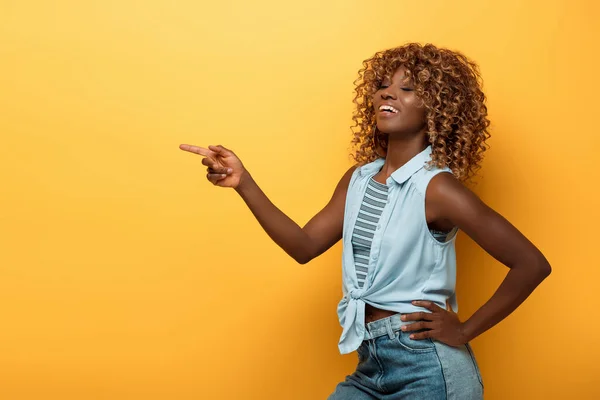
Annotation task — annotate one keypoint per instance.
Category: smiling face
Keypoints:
(398, 110)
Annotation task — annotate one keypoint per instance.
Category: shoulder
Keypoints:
(353, 170)
(348, 176)
(432, 177)
(451, 197)
(444, 183)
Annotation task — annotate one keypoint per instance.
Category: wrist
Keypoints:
(244, 183)
(467, 331)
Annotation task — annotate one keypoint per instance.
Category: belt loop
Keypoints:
(388, 327)
(368, 334)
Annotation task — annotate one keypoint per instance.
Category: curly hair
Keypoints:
(449, 85)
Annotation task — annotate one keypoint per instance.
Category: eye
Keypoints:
(407, 89)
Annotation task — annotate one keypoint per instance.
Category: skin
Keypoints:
(448, 204)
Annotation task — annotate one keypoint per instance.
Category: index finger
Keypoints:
(417, 316)
(196, 149)
(427, 304)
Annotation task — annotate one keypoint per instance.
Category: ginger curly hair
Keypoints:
(449, 84)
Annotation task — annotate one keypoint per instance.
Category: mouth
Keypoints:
(387, 111)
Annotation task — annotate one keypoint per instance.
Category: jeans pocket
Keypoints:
(472, 354)
(414, 345)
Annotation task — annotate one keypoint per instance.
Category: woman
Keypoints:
(422, 126)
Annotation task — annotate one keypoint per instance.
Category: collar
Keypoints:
(402, 174)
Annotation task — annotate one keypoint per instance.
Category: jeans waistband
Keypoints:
(388, 325)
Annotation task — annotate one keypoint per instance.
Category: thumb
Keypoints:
(220, 150)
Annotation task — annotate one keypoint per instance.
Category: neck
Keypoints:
(401, 150)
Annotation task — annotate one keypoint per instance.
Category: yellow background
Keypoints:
(124, 274)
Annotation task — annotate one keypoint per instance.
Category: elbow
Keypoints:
(536, 269)
(543, 268)
(303, 259)
(304, 254)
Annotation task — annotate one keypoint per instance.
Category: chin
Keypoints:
(389, 129)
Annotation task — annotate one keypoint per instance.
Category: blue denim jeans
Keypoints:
(392, 366)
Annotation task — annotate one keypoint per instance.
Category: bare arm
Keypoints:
(301, 243)
(448, 201)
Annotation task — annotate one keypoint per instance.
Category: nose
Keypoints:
(388, 94)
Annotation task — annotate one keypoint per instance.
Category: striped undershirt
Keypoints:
(368, 217)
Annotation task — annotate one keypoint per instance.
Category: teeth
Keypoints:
(388, 108)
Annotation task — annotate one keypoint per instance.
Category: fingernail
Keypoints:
(403, 317)
(403, 328)
(412, 336)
